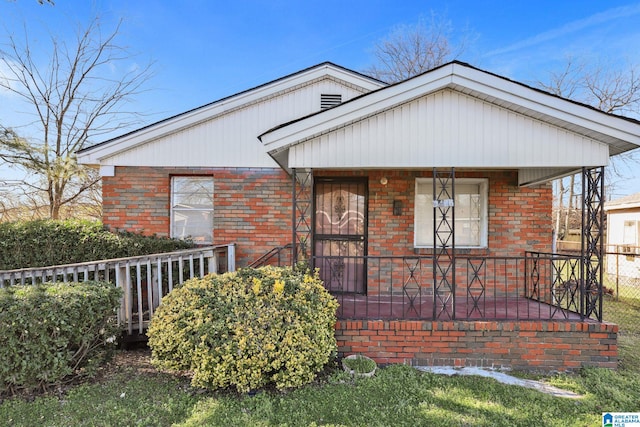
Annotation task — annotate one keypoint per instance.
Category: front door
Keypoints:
(340, 230)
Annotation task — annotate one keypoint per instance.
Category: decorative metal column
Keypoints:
(592, 241)
(302, 187)
(444, 274)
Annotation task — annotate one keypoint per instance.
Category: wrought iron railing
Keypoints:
(278, 256)
(143, 279)
(534, 286)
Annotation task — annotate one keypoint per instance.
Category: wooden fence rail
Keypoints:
(144, 279)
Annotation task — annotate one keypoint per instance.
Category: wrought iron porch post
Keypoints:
(592, 242)
(302, 188)
(444, 258)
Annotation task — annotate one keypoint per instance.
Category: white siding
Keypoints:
(627, 267)
(448, 128)
(230, 139)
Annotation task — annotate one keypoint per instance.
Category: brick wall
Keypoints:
(519, 218)
(252, 207)
(521, 345)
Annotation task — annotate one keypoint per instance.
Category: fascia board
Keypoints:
(118, 145)
(623, 206)
(549, 105)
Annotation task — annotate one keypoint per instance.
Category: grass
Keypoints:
(359, 364)
(397, 395)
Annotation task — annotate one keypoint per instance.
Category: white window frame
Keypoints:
(201, 238)
(419, 211)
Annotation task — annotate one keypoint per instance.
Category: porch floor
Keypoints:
(397, 307)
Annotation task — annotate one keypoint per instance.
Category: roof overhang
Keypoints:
(606, 134)
(94, 154)
(631, 202)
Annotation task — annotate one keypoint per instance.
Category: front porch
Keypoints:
(536, 286)
(508, 302)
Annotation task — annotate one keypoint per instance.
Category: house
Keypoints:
(426, 206)
(623, 240)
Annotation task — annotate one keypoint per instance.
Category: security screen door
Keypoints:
(340, 233)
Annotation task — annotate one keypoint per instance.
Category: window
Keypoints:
(192, 208)
(470, 212)
(630, 236)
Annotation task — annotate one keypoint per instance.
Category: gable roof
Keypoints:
(522, 116)
(628, 202)
(94, 154)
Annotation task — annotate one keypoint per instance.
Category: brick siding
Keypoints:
(544, 346)
(519, 217)
(519, 220)
(252, 207)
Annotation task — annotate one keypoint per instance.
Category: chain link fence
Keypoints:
(622, 300)
(622, 287)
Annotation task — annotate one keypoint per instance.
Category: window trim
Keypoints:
(484, 214)
(172, 210)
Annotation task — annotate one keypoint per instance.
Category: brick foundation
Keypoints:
(546, 346)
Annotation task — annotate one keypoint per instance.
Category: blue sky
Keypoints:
(207, 49)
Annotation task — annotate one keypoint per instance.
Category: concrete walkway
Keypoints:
(503, 378)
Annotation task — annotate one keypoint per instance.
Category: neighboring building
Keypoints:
(425, 204)
(623, 239)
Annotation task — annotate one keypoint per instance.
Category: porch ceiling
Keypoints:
(456, 116)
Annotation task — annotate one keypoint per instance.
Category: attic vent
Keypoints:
(329, 100)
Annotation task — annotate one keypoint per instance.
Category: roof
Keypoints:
(93, 154)
(628, 202)
(535, 127)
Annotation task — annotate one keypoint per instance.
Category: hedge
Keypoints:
(54, 331)
(43, 243)
(247, 329)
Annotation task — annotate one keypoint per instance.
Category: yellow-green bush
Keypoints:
(246, 329)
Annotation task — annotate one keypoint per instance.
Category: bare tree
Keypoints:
(413, 49)
(609, 89)
(78, 95)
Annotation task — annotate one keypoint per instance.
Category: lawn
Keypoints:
(131, 393)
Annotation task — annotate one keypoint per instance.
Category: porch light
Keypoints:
(384, 180)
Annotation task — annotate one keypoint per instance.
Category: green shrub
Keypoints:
(43, 243)
(246, 329)
(51, 331)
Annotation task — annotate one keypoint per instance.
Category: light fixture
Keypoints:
(384, 180)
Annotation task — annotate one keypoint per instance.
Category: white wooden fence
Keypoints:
(143, 279)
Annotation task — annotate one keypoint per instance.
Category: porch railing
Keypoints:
(143, 279)
(278, 256)
(534, 286)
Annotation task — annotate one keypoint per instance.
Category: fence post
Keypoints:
(231, 257)
(125, 300)
(213, 263)
(617, 275)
